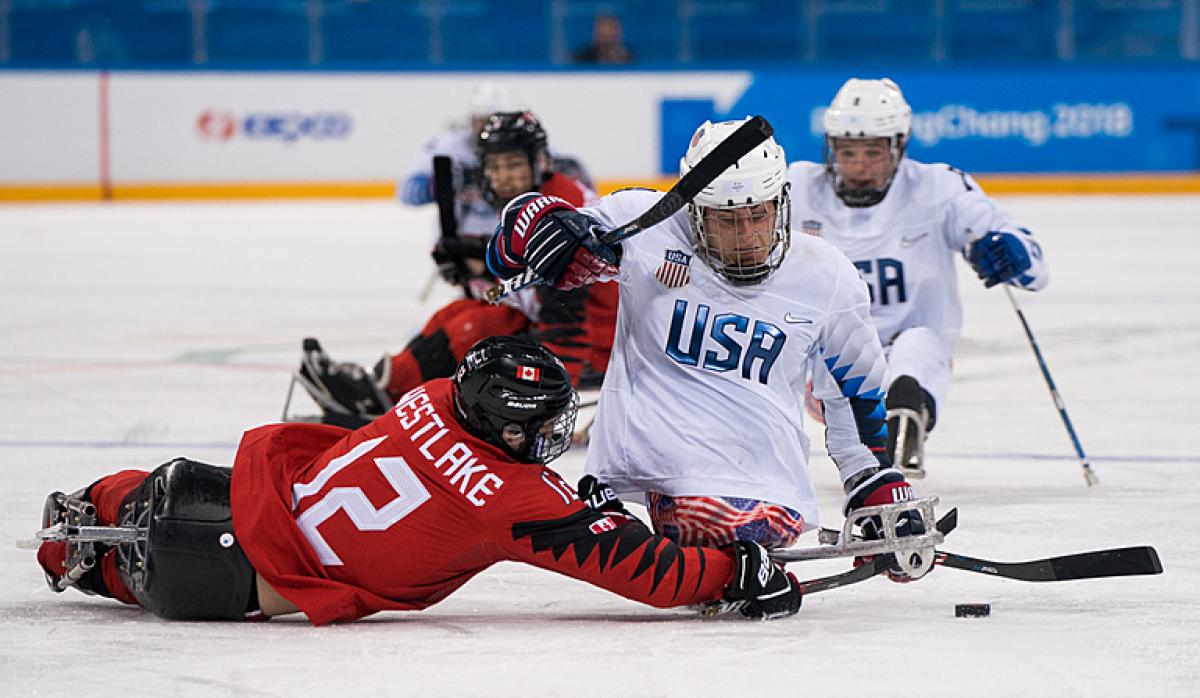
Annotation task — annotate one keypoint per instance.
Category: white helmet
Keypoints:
(489, 98)
(867, 109)
(758, 178)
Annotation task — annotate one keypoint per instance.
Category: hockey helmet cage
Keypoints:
(864, 109)
(758, 177)
(513, 383)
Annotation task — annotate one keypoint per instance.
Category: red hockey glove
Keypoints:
(554, 240)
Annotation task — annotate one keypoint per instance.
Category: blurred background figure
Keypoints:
(458, 144)
(608, 43)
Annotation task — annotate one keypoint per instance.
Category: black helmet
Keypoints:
(517, 131)
(514, 386)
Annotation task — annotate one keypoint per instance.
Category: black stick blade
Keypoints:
(948, 522)
(1119, 562)
(721, 158)
(1122, 562)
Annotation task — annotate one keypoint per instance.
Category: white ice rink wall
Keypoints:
(262, 131)
(183, 134)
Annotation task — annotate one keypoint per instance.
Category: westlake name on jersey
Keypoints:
(905, 246)
(705, 388)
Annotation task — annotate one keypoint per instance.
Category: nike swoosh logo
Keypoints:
(909, 242)
(796, 320)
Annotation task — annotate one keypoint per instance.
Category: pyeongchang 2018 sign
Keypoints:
(221, 126)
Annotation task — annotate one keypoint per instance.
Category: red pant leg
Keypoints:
(446, 338)
(106, 494)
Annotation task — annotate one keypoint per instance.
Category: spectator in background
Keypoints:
(608, 43)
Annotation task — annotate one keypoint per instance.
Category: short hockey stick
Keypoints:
(875, 567)
(862, 573)
(443, 193)
(1089, 475)
(722, 157)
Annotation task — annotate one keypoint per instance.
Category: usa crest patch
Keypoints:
(811, 227)
(675, 270)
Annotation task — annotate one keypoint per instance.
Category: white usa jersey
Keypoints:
(904, 247)
(704, 393)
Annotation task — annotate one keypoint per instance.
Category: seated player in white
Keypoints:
(721, 316)
(902, 223)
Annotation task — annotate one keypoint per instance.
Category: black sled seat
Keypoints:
(190, 566)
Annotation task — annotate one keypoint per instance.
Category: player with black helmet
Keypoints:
(578, 325)
(394, 516)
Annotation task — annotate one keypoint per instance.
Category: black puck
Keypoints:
(972, 610)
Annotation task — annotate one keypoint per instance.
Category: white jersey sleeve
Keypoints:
(849, 378)
(458, 144)
(905, 247)
(971, 214)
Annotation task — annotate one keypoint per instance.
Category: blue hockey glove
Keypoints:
(998, 257)
(417, 190)
(555, 240)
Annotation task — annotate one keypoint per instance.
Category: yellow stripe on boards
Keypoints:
(1032, 184)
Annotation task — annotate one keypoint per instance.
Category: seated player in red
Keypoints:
(578, 324)
(397, 515)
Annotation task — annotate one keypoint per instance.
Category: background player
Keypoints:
(577, 324)
(459, 143)
(400, 514)
(702, 408)
(902, 222)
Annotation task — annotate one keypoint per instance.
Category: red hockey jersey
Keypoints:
(402, 512)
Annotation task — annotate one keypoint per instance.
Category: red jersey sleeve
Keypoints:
(544, 524)
(568, 189)
(579, 326)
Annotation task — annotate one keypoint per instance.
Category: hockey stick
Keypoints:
(1097, 564)
(1089, 475)
(443, 193)
(1119, 562)
(722, 157)
(862, 573)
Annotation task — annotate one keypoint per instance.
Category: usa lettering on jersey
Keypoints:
(763, 343)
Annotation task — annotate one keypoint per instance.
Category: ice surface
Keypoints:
(130, 334)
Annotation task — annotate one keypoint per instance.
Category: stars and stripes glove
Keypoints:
(548, 235)
(886, 486)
